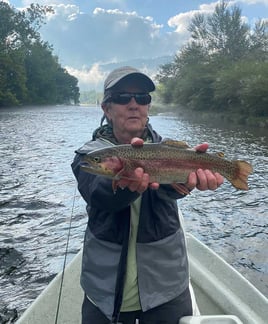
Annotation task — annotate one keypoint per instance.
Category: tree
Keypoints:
(222, 33)
(29, 73)
(47, 81)
(19, 29)
(40, 67)
(66, 85)
(12, 72)
(223, 67)
(259, 41)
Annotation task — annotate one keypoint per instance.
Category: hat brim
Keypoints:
(138, 78)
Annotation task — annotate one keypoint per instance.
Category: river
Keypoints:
(38, 191)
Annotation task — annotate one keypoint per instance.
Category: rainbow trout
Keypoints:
(168, 162)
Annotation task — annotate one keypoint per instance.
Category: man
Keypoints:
(134, 260)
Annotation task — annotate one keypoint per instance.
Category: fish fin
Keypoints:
(114, 186)
(116, 178)
(243, 170)
(178, 144)
(181, 188)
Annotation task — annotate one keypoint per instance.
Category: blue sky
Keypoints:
(91, 36)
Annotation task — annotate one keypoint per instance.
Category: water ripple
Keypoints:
(38, 190)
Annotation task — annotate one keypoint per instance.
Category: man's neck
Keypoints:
(126, 138)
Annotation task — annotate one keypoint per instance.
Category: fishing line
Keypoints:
(65, 258)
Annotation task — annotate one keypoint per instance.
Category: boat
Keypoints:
(222, 294)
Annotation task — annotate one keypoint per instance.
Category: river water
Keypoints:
(38, 193)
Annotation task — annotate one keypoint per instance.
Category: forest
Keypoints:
(29, 72)
(223, 68)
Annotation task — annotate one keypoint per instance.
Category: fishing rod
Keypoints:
(65, 258)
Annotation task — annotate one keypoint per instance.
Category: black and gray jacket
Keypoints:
(162, 263)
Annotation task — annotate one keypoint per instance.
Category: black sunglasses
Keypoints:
(125, 98)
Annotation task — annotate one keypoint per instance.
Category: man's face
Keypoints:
(129, 119)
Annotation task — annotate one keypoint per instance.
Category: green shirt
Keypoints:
(131, 300)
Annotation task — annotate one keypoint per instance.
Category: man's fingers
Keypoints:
(139, 182)
(192, 181)
(154, 185)
(220, 178)
(136, 141)
(204, 180)
(202, 148)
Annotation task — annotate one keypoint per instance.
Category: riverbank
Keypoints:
(211, 116)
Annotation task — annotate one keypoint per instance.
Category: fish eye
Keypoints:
(96, 159)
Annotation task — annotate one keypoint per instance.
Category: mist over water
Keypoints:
(38, 191)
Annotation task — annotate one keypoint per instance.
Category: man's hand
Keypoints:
(201, 179)
(204, 179)
(139, 180)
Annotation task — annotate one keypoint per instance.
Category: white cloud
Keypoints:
(181, 21)
(106, 36)
(65, 12)
(209, 7)
(86, 42)
(89, 78)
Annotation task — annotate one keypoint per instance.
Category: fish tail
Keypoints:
(240, 177)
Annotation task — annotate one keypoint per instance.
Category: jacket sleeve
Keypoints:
(97, 190)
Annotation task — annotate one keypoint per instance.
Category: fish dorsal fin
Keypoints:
(178, 144)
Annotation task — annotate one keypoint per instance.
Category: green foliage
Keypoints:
(222, 33)
(223, 68)
(29, 73)
(253, 93)
(195, 87)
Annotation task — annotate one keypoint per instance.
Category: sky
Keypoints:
(91, 37)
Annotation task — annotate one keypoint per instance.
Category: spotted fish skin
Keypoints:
(167, 162)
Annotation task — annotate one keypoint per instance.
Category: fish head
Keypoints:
(96, 163)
